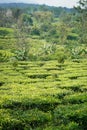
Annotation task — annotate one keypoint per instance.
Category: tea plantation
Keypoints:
(43, 95)
(43, 67)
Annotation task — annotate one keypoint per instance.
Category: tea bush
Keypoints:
(5, 55)
(38, 95)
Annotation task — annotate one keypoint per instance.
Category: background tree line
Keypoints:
(56, 27)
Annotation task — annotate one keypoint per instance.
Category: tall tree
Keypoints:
(22, 46)
(82, 20)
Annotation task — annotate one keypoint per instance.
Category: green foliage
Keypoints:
(61, 57)
(75, 50)
(21, 46)
(14, 62)
(5, 55)
(21, 55)
(82, 20)
(25, 120)
(35, 30)
(71, 113)
(16, 12)
(27, 20)
(5, 32)
(73, 126)
(76, 98)
(44, 86)
(72, 36)
(38, 95)
(60, 54)
(43, 16)
(43, 26)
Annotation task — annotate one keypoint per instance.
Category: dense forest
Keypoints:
(43, 66)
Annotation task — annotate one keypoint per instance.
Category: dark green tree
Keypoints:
(82, 20)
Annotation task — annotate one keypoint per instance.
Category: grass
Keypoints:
(40, 96)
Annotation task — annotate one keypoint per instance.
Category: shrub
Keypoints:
(74, 116)
(60, 55)
(20, 120)
(5, 55)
